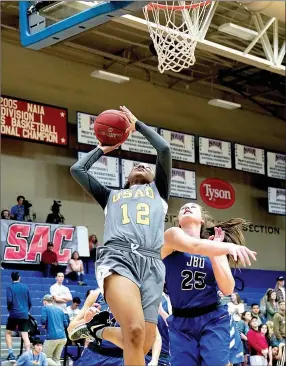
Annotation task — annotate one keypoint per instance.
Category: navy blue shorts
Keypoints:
(200, 341)
(92, 358)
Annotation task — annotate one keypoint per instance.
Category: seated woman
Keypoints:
(75, 270)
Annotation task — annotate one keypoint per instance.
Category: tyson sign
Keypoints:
(217, 193)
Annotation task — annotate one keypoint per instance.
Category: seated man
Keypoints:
(35, 356)
(49, 261)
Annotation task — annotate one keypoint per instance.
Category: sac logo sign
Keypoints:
(217, 193)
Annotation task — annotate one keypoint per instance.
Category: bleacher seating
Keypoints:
(39, 286)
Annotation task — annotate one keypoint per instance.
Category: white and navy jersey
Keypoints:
(136, 215)
(190, 280)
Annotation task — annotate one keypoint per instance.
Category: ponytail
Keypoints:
(233, 230)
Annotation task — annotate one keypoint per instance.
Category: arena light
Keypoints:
(109, 76)
(238, 31)
(224, 104)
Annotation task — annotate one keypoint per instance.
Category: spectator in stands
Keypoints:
(279, 322)
(18, 211)
(35, 356)
(73, 309)
(49, 262)
(258, 346)
(280, 289)
(271, 305)
(278, 353)
(93, 244)
(236, 307)
(18, 304)
(256, 313)
(5, 215)
(75, 269)
(243, 328)
(55, 322)
(263, 302)
(273, 340)
(61, 294)
(263, 328)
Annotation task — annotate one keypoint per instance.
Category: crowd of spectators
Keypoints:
(262, 329)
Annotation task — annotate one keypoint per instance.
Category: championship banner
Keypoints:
(33, 121)
(183, 184)
(182, 145)
(277, 201)
(127, 166)
(24, 242)
(276, 165)
(105, 170)
(215, 153)
(138, 143)
(85, 128)
(249, 159)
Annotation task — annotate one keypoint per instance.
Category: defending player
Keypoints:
(129, 265)
(199, 328)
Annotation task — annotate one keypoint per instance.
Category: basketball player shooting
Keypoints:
(129, 267)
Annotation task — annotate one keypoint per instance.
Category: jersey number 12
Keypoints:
(142, 214)
(193, 280)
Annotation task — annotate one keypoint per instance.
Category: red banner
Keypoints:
(33, 121)
(26, 241)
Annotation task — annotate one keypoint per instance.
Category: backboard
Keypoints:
(44, 23)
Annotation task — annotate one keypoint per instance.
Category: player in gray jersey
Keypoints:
(129, 267)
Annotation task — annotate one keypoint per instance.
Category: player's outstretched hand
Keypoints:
(242, 254)
(107, 149)
(218, 236)
(131, 117)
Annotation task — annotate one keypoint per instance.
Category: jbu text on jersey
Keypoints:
(196, 262)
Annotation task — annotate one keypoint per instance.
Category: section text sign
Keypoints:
(182, 145)
(85, 129)
(249, 159)
(276, 165)
(277, 201)
(183, 184)
(215, 152)
(105, 170)
(33, 121)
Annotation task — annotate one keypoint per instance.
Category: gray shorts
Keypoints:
(143, 267)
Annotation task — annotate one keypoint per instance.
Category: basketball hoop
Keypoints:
(175, 28)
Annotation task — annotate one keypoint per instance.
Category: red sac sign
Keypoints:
(33, 121)
(21, 249)
(217, 193)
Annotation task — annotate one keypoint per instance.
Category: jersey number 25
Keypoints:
(193, 280)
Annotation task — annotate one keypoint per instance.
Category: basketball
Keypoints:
(110, 127)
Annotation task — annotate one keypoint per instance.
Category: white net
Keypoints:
(175, 27)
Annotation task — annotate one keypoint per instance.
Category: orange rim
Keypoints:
(152, 6)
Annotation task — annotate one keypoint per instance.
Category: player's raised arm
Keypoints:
(164, 158)
(176, 239)
(80, 172)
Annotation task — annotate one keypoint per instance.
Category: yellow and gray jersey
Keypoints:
(136, 216)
